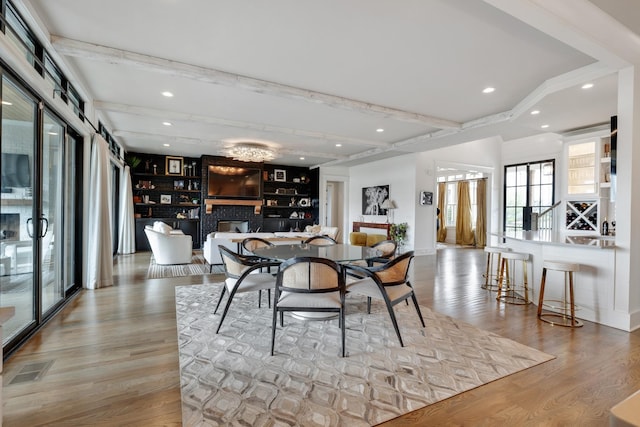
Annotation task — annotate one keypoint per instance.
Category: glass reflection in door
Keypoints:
(16, 207)
(51, 216)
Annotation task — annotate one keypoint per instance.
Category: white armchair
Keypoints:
(170, 248)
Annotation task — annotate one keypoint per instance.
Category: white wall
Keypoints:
(399, 174)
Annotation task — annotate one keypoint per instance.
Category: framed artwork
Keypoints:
(173, 165)
(280, 175)
(372, 199)
(165, 199)
(178, 184)
(426, 198)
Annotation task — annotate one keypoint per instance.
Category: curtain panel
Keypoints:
(127, 232)
(442, 203)
(99, 255)
(481, 220)
(464, 229)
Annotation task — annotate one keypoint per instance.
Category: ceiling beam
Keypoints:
(186, 117)
(217, 145)
(84, 50)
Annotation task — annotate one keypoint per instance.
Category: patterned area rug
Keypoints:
(231, 378)
(198, 266)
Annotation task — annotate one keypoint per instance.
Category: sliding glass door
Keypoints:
(39, 225)
(17, 241)
(51, 212)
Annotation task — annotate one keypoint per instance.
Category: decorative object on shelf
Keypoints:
(286, 191)
(305, 202)
(389, 205)
(144, 185)
(296, 180)
(178, 184)
(251, 152)
(372, 199)
(173, 165)
(165, 199)
(426, 198)
(193, 168)
(280, 175)
(147, 166)
(155, 169)
(145, 198)
(293, 202)
(133, 161)
(137, 199)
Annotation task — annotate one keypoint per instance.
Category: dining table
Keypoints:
(340, 253)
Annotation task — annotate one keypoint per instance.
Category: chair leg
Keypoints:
(259, 298)
(274, 325)
(368, 305)
(392, 315)
(342, 327)
(415, 302)
(224, 290)
(269, 297)
(282, 319)
(210, 268)
(543, 282)
(226, 309)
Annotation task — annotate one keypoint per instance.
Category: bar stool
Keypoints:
(506, 279)
(569, 321)
(494, 255)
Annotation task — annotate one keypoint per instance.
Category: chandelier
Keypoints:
(246, 152)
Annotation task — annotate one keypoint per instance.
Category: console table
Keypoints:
(382, 226)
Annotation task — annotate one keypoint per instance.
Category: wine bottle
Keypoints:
(605, 227)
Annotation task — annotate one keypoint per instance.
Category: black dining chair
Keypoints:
(320, 241)
(388, 282)
(309, 284)
(243, 275)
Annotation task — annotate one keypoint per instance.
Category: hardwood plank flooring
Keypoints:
(115, 359)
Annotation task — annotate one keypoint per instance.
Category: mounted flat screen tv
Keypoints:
(231, 181)
(16, 171)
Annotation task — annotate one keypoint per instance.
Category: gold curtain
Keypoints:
(464, 231)
(442, 202)
(481, 220)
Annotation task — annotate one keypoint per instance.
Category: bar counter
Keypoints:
(595, 282)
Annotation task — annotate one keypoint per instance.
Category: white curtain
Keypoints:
(99, 255)
(127, 232)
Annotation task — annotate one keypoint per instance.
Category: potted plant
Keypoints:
(398, 233)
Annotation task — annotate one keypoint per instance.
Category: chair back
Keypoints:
(234, 263)
(310, 275)
(396, 271)
(320, 241)
(251, 243)
(387, 247)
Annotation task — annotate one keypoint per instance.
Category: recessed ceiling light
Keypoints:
(167, 145)
(544, 126)
(534, 112)
(587, 86)
(301, 158)
(6, 103)
(379, 130)
(167, 123)
(488, 89)
(338, 145)
(167, 94)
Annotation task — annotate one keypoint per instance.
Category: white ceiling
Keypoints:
(302, 76)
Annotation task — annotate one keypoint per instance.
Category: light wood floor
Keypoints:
(114, 358)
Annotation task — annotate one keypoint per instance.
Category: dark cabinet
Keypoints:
(290, 198)
(187, 226)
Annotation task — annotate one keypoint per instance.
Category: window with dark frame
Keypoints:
(527, 185)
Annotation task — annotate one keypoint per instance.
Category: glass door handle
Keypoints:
(30, 227)
(45, 228)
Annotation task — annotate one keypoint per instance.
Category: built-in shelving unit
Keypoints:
(171, 196)
(582, 215)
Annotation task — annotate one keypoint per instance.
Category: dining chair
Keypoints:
(242, 275)
(309, 284)
(320, 241)
(388, 282)
(249, 245)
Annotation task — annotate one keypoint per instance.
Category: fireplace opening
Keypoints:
(233, 226)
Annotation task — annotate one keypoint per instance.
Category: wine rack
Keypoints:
(582, 215)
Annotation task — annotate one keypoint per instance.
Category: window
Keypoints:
(452, 204)
(527, 185)
(19, 33)
(451, 208)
